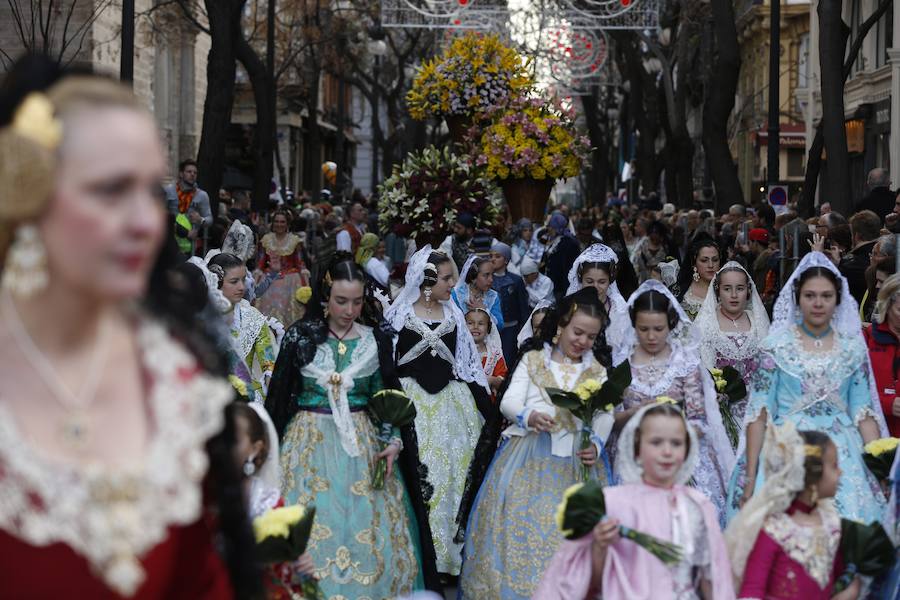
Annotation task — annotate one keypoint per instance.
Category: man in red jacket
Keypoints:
(883, 341)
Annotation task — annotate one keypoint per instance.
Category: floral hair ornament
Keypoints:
(35, 121)
(666, 400)
(811, 450)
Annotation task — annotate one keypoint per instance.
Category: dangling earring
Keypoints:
(814, 497)
(250, 466)
(25, 271)
(556, 337)
(428, 294)
(325, 310)
(696, 275)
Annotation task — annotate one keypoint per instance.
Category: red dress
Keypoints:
(73, 531)
(791, 561)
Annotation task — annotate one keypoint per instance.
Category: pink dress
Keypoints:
(681, 515)
(790, 560)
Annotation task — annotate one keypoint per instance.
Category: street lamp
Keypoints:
(126, 57)
(774, 77)
(377, 48)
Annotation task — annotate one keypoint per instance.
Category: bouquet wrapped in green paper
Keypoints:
(879, 456)
(388, 408)
(590, 397)
(282, 535)
(867, 550)
(730, 388)
(583, 506)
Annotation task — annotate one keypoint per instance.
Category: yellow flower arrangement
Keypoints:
(474, 73)
(303, 294)
(532, 137)
(561, 508)
(277, 522)
(588, 388)
(880, 446)
(238, 384)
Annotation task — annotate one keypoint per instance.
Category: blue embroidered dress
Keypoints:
(823, 391)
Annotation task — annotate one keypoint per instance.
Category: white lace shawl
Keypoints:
(713, 341)
(140, 504)
(323, 367)
(467, 360)
(845, 321)
(783, 458)
(270, 471)
(627, 467)
(684, 360)
(248, 322)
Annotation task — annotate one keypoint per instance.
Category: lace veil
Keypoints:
(627, 467)
(712, 340)
(596, 253)
(216, 297)
(467, 366)
(782, 459)
(527, 331)
(684, 343)
(270, 472)
(239, 241)
(493, 344)
(845, 321)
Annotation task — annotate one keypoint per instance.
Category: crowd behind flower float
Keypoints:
(458, 386)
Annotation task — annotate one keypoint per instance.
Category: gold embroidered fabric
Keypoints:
(814, 548)
(542, 377)
(285, 247)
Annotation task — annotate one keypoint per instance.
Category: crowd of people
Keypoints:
(176, 367)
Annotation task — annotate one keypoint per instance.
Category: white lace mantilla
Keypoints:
(679, 364)
(113, 518)
(248, 322)
(323, 369)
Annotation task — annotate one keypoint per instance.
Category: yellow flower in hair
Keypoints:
(303, 294)
(561, 508)
(880, 446)
(665, 400)
(34, 120)
(277, 522)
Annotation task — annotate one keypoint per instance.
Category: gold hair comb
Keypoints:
(810, 450)
(34, 120)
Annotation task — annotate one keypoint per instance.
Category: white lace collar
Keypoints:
(245, 328)
(113, 518)
(680, 363)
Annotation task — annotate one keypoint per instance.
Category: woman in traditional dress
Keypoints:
(731, 325)
(785, 542)
(440, 370)
(697, 271)
(282, 264)
(112, 464)
(366, 543)
(473, 290)
(665, 361)
(487, 341)
(658, 452)
(511, 533)
(252, 337)
(596, 267)
(814, 372)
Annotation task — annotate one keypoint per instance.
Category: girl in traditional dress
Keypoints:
(115, 456)
(785, 542)
(533, 325)
(282, 264)
(511, 534)
(657, 454)
(487, 340)
(366, 543)
(473, 290)
(814, 372)
(701, 263)
(731, 325)
(596, 267)
(252, 337)
(440, 370)
(665, 361)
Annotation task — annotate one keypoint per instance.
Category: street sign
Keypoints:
(778, 197)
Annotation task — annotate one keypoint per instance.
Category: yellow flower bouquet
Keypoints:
(475, 73)
(590, 397)
(532, 137)
(730, 388)
(282, 535)
(879, 456)
(584, 505)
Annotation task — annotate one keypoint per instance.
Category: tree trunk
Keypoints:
(312, 155)
(831, 59)
(264, 140)
(718, 106)
(225, 30)
(814, 160)
(599, 172)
